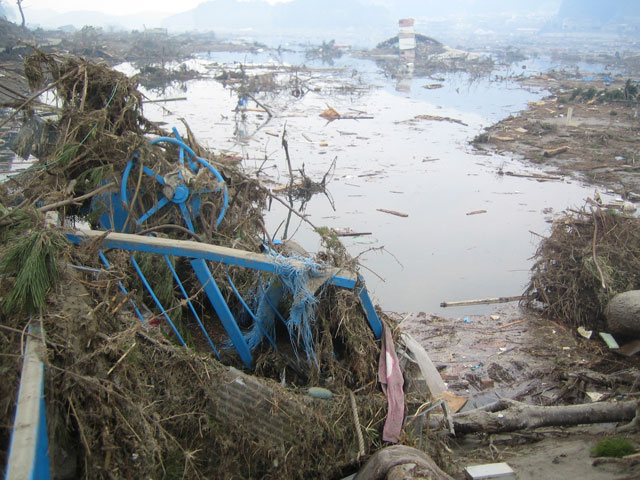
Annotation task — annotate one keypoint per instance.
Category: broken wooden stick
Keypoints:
(515, 322)
(76, 200)
(392, 212)
(555, 151)
(536, 176)
(340, 232)
(483, 301)
(162, 100)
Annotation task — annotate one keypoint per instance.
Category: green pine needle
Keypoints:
(32, 260)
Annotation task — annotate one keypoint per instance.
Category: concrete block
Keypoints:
(490, 471)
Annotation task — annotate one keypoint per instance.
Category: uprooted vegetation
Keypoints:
(588, 258)
(125, 399)
(627, 93)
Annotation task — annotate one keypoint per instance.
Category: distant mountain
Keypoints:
(466, 8)
(334, 15)
(331, 14)
(260, 16)
(223, 15)
(350, 20)
(51, 19)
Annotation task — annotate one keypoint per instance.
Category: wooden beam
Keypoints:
(215, 253)
(481, 301)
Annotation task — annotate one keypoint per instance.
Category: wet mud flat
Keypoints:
(587, 127)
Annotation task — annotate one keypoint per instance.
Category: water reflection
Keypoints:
(410, 157)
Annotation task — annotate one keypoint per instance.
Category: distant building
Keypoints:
(156, 32)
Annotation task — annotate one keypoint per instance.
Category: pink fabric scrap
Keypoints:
(392, 381)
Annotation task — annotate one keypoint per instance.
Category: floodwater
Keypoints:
(423, 168)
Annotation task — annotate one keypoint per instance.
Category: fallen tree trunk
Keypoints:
(509, 416)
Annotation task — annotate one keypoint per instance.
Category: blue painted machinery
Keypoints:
(296, 276)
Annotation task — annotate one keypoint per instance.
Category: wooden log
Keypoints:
(520, 416)
(186, 248)
(29, 444)
(482, 301)
(162, 100)
(349, 233)
(535, 176)
(381, 464)
(392, 212)
(555, 151)
(355, 117)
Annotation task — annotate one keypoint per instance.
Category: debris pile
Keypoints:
(124, 397)
(589, 257)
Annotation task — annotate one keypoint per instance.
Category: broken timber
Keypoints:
(555, 151)
(483, 301)
(392, 212)
(508, 416)
(535, 176)
(229, 256)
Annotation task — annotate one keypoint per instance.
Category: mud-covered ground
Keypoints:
(587, 127)
(519, 355)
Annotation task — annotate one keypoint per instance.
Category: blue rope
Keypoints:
(253, 339)
(302, 312)
(270, 303)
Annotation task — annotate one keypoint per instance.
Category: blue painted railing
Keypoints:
(199, 253)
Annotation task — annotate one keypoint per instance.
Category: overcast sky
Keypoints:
(113, 7)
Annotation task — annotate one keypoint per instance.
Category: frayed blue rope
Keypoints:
(302, 313)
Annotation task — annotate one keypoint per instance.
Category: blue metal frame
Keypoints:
(189, 204)
(222, 309)
(199, 253)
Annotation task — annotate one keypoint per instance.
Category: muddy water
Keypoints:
(423, 168)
